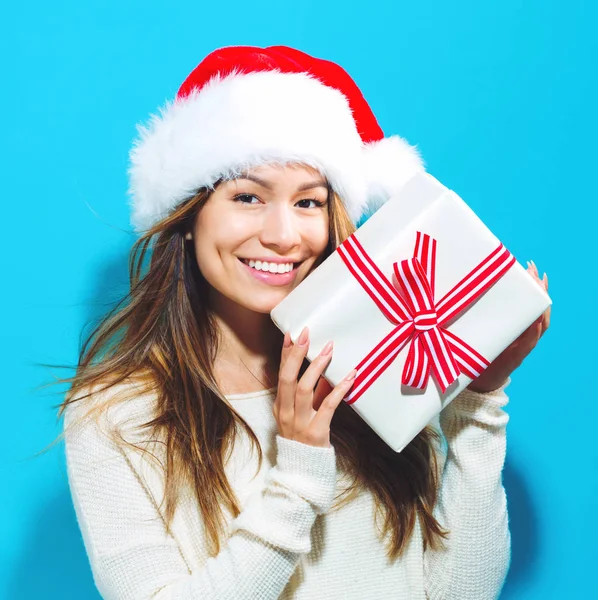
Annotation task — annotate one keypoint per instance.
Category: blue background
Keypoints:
(499, 97)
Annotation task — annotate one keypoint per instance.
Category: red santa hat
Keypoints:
(244, 106)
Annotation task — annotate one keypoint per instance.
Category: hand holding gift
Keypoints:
(299, 416)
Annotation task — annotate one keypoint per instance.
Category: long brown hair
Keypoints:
(162, 337)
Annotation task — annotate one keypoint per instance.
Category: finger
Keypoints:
(304, 396)
(533, 271)
(288, 373)
(287, 344)
(530, 269)
(323, 388)
(312, 374)
(330, 403)
(546, 319)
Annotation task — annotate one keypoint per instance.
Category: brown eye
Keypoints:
(305, 203)
(245, 198)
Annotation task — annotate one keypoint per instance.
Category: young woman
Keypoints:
(206, 458)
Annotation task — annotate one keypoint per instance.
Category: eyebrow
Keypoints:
(306, 186)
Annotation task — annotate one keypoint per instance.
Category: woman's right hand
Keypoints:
(294, 404)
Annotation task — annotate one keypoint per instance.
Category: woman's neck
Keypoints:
(248, 351)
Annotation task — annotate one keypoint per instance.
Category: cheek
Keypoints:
(217, 236)
(316, 236)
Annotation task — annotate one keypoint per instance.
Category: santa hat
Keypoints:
(245, 106)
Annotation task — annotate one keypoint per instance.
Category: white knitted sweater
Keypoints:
(286, 543)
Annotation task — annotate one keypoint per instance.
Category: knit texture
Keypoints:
(287, 542)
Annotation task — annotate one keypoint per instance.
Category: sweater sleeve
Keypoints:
(472, 502)
(133, 557)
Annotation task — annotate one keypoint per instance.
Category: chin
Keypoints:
(263, 305)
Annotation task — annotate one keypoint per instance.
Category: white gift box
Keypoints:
(335, 306)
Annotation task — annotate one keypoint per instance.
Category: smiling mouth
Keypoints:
(270, 267)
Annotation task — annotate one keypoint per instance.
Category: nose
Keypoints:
(280, 229)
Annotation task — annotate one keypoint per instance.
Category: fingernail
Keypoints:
(545, 278)
(528, 264)
(351, 376)
(287, 340)
(327, 349)
(303, 337)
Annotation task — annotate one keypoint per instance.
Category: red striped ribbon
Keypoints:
(417, 317)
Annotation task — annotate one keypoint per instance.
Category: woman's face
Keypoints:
(257, 237)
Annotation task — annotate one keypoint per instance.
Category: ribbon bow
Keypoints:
(418, 319)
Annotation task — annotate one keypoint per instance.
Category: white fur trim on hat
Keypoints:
(244, 120)
(388, 165)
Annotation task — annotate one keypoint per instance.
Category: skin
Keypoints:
(245, 219)
(281, 212)
(276, 218)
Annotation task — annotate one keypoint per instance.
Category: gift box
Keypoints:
(420, 299)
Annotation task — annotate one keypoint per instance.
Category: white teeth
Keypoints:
(270, 267)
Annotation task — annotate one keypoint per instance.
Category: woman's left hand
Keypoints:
(505, 363)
